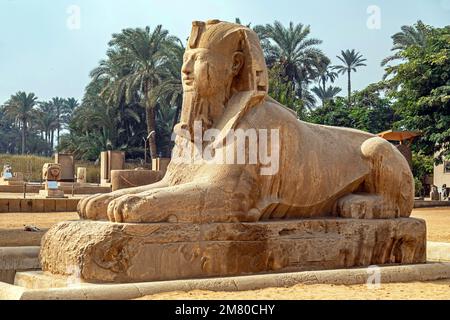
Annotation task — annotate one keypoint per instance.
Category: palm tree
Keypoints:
(351, 60)
(292, 49)
(238, 21)
(415, 35)
(20, 107)
(325, 74)
(58, 105)
(143, 51)
(326, 94)
(171, 88)
(70, 105)
(46, 121)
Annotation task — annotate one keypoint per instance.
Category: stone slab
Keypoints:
(14, 205)
(120, 253)
(69, 290)
(67, 166)
(122, 179)
(19, 237)
(431, 203)
(78, 189)
(26, 205)
(38, 205)
(49, 205)
(15, 259)
(438, 251)
(4, 205)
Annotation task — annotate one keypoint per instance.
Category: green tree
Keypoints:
(370, 112)
(421, 91)
(142, 50)
(10, 135)
(70, 104)
(408, 36)
(58, 105)
(333, 113)
(20, 107)
(326, 74)
(326, 94)
(294, 52)
(279, 89)
(351, 60)
(46, 121)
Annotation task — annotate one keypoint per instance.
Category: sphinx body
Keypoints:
(321, 170)
(208, 217)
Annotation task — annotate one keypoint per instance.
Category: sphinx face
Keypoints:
(206, 73)
(207, 76)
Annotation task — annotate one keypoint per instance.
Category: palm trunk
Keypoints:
(151, 123)
(300, 90)
(177, 112)
(151, 129)
(58, 115)
(24, 128)
(349, 88)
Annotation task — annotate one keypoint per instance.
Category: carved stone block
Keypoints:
(112, 252)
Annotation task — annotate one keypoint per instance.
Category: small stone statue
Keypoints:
(434, 194)
(51, 172)
(444, 192)
(7, 172)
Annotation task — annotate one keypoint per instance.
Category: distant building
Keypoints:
(441, 174)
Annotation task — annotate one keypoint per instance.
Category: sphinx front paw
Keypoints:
(365, 206)
(129, 209)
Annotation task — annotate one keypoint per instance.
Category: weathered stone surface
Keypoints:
(110, 160)
(109, 252)
(45, 286)
(213, 214)
(438, 251)
(123, 179)
(67, 166)
(15, 259)
(313, 170)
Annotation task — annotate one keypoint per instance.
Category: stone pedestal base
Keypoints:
(109, 252)
(52, 193)
(4, 182)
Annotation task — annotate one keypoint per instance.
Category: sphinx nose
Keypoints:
(187, 67)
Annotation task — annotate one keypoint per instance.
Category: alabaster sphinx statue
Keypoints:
(250, 188)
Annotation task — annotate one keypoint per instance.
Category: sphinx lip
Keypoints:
(188, 82)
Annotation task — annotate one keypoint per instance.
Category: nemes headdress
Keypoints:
(227, 38)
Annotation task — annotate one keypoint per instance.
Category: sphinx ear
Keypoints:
(238, 62)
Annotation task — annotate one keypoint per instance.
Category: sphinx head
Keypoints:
(221, 59)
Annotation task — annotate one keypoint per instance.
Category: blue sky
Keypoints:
(40, 53)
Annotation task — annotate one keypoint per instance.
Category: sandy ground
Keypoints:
(433, 290)
(12, 224)
(438, 224)
(5, 195)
